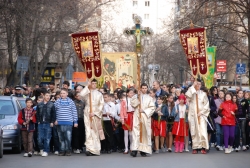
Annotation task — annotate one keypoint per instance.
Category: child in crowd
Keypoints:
(27, 119)
(170, 121)
(79, 132)
(108, 114)
(227, 112)
(66, 117)
(35, 136)
(126, 115)
(180, 128)
(159, 124)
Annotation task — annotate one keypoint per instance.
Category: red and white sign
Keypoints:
(221, 66)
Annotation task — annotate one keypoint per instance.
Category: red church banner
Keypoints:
(87, 48)
(194, 44)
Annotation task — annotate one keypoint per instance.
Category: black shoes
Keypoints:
(62, 154)
(89, 153)
(68, 153)
(133, 153)
(143, 154)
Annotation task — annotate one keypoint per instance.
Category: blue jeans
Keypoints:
(55, 139)
(65, 135)
(219, 134)
(44, 136)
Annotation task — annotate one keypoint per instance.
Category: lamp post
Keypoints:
(181, 69)
(153, 72)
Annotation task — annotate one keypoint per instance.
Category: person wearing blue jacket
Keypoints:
(159, 123)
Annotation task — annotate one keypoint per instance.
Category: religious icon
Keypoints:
(192, 45)
(106, 82)
(119, 70)
(138, 37)
(87, 49)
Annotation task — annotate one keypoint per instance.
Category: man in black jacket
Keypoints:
(46, 116)
(159, 91)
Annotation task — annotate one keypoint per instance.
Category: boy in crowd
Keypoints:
(35, 136)
(66, 117)
(27, 119)
(79, 132)
(108, 123)
(46, 116)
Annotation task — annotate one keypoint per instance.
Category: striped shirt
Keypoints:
(66, 113)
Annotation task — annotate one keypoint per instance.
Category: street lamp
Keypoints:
(153, 71)
(181, 69)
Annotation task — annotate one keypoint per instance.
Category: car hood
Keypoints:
(11, 119)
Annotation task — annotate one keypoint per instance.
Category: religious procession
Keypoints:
(150, 86)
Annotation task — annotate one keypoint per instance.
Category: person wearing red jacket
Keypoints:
(27, 119)
(227, 112)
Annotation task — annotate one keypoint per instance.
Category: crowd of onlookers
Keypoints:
(48, 108)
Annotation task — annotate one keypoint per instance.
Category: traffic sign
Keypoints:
(221, 66)
(240, 68)
(22, 63)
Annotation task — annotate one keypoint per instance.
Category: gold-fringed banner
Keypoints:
(87, 48)
(194, 44)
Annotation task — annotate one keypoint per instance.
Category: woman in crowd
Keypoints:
(227, 112)
(219, 130)
(211, 129)
(214, 92)
(7, 91)
(173, 92)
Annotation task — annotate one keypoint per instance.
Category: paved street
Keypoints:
(116, 160)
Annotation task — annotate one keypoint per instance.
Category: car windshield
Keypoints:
(22, 102)
(6, 107)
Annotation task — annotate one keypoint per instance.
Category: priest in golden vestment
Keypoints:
(198, 119)
(93, 119)
(147, 110)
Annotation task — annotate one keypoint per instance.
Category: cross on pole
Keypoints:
(138, 32)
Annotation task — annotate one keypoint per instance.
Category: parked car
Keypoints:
(10, 107)
(22, 102)
(1, 138)
(233, 91)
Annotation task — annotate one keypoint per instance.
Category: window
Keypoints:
(146, 16)
(147, 3)
(6, 107)
(134, 3)
(22, 103)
